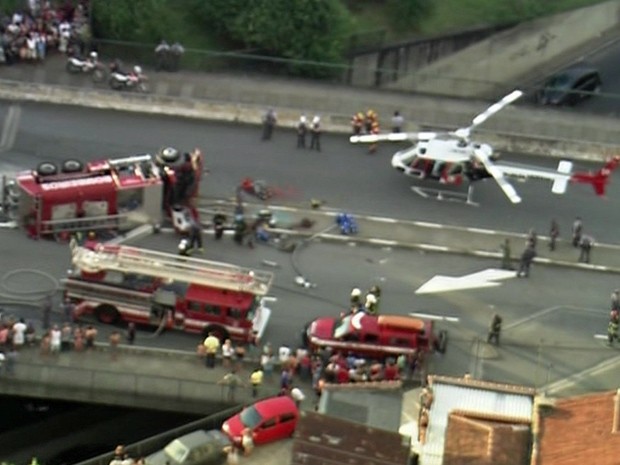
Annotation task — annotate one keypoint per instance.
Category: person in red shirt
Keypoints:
(390, 373)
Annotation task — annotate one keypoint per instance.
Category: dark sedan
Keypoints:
(570, 86)
(197, 448)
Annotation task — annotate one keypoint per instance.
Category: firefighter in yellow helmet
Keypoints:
(374, 130)
(357, 123)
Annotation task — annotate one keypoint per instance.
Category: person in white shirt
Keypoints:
(55, 339)
(298, 396)
(19, 333)
(284, 353)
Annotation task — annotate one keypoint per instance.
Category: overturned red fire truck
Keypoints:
(122, 283)
(112, 194)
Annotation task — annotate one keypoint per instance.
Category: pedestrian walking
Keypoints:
(162, 52)
(219, 219)
(527, 257)
(302, 130)
(231, 381)
(131, 333)
(114, 340)
(315, 134)
(495, 329)
(554, 233)
(585, 248)
(612, 332)
(356, 297)
(195, 235)
(256, 380)
(269, 123)
(212, 344)
(577, 231)
(176, 53)
(506, 258)
(397, 122)
(532, 239)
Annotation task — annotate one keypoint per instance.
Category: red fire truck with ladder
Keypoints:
(112, 194)
(122, 283)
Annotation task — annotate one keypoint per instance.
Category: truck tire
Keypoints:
(72, 166)
(107, 314)
(441, 343)
(217, 330)
(46, 168)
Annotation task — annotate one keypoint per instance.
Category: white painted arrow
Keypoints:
(484, 278)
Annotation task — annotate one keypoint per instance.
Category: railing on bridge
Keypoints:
(155, 443)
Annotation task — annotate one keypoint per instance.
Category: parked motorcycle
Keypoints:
(129, 81)
(88, 65)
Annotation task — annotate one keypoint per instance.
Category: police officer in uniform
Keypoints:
(315, 134)
(302, 130)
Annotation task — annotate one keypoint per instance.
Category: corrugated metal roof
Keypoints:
(488, 403)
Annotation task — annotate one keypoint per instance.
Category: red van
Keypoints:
(269, 420)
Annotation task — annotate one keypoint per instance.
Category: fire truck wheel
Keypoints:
(46, 168)
(442, 341)
(217, 331)
(72, 166)
(107, 314)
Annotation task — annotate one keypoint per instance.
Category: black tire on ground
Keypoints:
(217, 330)
(46, 168)
(107, 314)
(72, 166)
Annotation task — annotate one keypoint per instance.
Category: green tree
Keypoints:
(308, 30)
(405, 15)
(136, 20)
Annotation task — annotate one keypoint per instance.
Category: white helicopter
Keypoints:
(451, 158)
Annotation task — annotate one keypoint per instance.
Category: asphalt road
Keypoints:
(343, 175)
(549, 326)
(549, 318)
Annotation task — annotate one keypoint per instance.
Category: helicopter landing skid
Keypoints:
(446, 195)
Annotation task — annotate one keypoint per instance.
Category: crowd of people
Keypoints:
(45, 26)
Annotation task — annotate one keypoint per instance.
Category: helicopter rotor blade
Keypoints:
(393, 137)
(498, 175)
(486, 114)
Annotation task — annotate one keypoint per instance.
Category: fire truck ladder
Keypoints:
(146, 262)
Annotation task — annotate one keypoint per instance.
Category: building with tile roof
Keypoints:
(579, 430)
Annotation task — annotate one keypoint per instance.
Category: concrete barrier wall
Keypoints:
(503, 59)
(388, 64)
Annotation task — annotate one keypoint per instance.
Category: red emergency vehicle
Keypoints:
(106, 194)
(374, 336)
(122, 283)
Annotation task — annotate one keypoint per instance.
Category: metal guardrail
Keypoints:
(157, 442)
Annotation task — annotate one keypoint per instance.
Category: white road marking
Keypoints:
(428, 316)
(481, 279)
(10, 128)
(572, 380)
